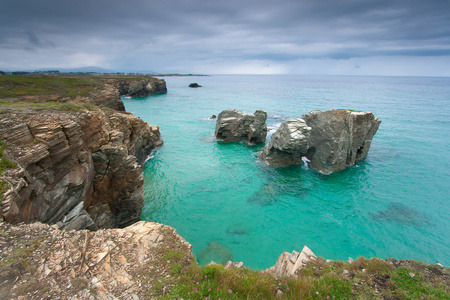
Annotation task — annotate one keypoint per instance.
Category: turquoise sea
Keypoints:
(395, 203)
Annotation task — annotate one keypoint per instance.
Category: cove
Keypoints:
(219, 195)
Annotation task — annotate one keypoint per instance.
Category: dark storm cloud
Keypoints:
(164, 34)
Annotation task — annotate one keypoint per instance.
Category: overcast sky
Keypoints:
(354, 37)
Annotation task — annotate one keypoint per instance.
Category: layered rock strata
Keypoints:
(331, 140)
(79, 170)
(234, 125)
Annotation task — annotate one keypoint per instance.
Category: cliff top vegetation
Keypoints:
(18, 87)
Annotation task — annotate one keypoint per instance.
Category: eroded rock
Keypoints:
(331, 140)
(339, 138)
(234, 125)
(65, 159)
(288, 144)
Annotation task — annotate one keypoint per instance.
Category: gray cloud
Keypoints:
(204, 35)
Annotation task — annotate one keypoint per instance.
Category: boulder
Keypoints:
(194, 85)
(331, 140)
(288, 144)
(234, 125)
(339, 138)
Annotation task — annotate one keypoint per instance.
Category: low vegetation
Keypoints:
(63, 86)
(362, 279)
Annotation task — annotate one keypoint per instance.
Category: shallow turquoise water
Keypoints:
(395, 203)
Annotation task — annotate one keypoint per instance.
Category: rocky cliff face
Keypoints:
(331, 140)
(79, 169)
(234, 125)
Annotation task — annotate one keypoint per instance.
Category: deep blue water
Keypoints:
(395, 203)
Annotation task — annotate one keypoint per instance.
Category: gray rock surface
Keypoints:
(331, 140)
(235, 125)
(288, 144)
(339, 138)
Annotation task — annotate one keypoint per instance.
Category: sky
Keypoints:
(308, 37)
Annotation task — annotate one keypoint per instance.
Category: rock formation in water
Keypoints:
(234, 125)
(332, 139)
(142, 87)
(78, 166)
(288, 144)
(194, 85)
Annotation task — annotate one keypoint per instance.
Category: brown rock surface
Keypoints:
(91, 156)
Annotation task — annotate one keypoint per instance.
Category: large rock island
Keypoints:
(331, 140)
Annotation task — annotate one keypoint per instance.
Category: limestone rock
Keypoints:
(289, 263)
(331, 140)
(288, 144)
(142, 88)
(234, 125)
(78, 264)
(69, 162)
(339, 138)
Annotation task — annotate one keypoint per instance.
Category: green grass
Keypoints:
(16, 86)
(33, 85)
(363, 279)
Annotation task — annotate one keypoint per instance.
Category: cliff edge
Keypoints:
(77, 165)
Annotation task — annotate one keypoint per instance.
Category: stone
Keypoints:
(234, 125)
(194, 85)
(330, 140)
(288, 144)
(339, 138)
(290, 263)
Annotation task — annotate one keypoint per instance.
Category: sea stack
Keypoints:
(234, 125)
(331, 140)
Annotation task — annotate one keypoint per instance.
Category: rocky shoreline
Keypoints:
(78, 165)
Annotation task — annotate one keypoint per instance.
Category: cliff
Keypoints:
(77, 165)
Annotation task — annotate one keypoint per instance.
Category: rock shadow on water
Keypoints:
(214, 252)
(266, 195)
(401, 214)
(237, 230)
